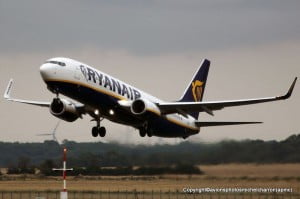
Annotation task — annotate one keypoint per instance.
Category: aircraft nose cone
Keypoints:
(46, 71)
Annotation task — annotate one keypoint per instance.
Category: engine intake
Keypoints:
(64, 110)
(140, 106)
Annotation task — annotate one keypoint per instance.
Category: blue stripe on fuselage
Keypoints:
(160, 126)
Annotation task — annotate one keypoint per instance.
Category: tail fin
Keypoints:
(195, 90)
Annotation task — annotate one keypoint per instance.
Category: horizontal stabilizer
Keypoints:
(205, 124)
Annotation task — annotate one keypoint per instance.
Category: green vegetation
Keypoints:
(121, 171)
(23, 156)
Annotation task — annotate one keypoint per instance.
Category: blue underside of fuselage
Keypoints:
(158, 125)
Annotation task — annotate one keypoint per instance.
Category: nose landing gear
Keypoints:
(98, 130)
(101, 131)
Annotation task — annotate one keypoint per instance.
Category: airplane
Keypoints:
(104, 97)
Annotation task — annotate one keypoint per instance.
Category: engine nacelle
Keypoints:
(64, 110)
(140, 106)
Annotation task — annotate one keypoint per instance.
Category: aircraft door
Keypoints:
(77, 73)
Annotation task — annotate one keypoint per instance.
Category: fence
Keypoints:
(141, 195)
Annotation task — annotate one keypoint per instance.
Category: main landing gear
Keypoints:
(143, 133)
(98, 130)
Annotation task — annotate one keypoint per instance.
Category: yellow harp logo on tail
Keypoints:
(197, 90)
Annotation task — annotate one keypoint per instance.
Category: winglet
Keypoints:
(8, 89)
(290, 91)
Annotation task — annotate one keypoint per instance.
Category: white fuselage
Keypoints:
(71, 72)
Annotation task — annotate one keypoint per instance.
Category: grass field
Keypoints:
(216, 176)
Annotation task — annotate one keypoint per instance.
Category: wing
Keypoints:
(7, 97)
(206, 124)
(209, 107)
(79, 107)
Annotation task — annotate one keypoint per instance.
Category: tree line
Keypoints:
(22, 156)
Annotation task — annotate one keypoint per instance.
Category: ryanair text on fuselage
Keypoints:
(109, 83)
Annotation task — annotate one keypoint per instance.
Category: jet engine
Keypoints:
(140, 106)
(64, 110)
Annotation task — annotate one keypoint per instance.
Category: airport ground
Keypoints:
(216, 176)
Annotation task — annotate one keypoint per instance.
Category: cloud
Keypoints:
(145, 27)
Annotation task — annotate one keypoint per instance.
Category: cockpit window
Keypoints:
(56, 62)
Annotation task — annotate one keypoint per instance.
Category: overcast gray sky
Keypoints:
(156, 45)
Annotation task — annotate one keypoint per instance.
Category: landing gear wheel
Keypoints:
(149, 134)
(143, 132)
(102, 131)
(98, 130)
(95, 131)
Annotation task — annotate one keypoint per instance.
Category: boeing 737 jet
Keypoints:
(105, 97)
